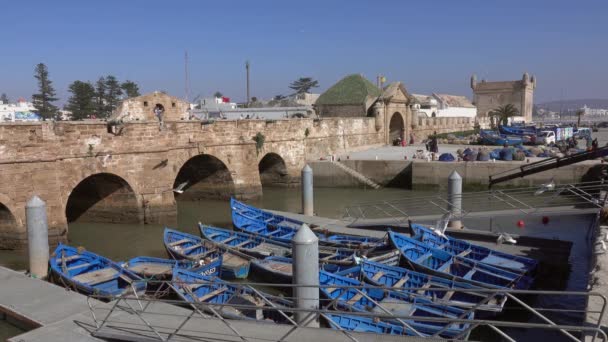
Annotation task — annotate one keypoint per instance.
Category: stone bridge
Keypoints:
(86, 170)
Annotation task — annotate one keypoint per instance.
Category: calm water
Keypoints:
(124, 241)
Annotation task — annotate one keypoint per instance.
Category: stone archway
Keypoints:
(396, 127)
(273, 171)
(203, 176)
(103, 197)
(9, 230)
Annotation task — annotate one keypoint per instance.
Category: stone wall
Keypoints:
(426, 126)
(51, 159)
(141, 108)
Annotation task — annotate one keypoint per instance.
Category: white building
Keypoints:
(443, 105)
(20, 111)
(594, 112)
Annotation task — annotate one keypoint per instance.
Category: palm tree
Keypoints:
(579, 113)
(303, 85)
(503, 113)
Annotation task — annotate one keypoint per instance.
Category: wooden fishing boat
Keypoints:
(207, 291)
(93, 274)
(437, 289)
(162, 269)
(254, 245)
(481, 254)
(181, 245)
(423, 258)
(280, 228)
(279, 270)
(351, 294)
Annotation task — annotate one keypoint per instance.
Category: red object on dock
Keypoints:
(520, 223)
(545, 219)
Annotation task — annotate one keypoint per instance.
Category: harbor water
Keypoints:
(124, 241)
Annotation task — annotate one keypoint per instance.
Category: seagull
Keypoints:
(442, 224)
(545, 187)
(180, 188)
(504, 237)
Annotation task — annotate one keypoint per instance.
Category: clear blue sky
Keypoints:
(432, 46)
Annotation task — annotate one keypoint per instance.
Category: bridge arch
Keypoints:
(203, 176)
(104, 197)
(273, 170)
(396, 127)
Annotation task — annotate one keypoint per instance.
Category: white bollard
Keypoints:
(455, 198)
(37, 237)
(305, 246)
(308, 206)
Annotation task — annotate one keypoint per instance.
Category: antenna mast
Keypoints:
(247, 68)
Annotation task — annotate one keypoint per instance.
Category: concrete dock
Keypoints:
(56, 314)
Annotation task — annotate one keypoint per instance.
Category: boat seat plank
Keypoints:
(401, 281)
(202, 255)
(355, 298)
(229, 239)
(470, 274)
(152, 268)
(212, 293)
(96, 277)
(196, 245)
(423, 288)
(70, 258)
(377, 276)
(71, 268)
(269, 249)
(464, 253)
(424, 257)
(178, 242)
(242, 243)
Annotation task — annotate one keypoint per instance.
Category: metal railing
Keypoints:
(135, 317)
(569, 198)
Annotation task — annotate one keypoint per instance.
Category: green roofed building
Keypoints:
(353, 95)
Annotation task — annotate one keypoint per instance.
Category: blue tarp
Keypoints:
(446, 157)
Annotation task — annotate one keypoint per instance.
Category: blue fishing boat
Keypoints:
(437, 289)
(279, 270)
(517, 130)
(493, 138)
(93, 274)
(478, 253)
(280, 228)
(423, 258)
(351, 294)
(181, 245)
(199, 289)
(254, 245)
(162, 269)
(365, 324)
(259, 247)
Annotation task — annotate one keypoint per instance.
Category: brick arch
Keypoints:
(102, 197)
(273, 170)
(9, 222)
(202, 176)
(396, 127)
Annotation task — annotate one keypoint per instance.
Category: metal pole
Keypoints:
(37, 237)
(308, 207)
(455, 199)
(305, 246)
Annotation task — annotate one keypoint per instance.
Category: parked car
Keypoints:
(546, 137)
(582, 133)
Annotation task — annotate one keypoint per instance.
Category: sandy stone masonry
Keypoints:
(51, 159)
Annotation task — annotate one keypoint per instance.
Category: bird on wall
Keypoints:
(545, 187)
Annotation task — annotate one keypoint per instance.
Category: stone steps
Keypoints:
(357, 175)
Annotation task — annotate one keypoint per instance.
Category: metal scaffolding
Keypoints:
(145, 318)
(566, 198)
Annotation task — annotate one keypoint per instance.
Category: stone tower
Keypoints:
(487, 96)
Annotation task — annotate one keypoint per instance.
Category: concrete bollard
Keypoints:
(305, 246)
(455, 199)
(308, 207)
(37, 237)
